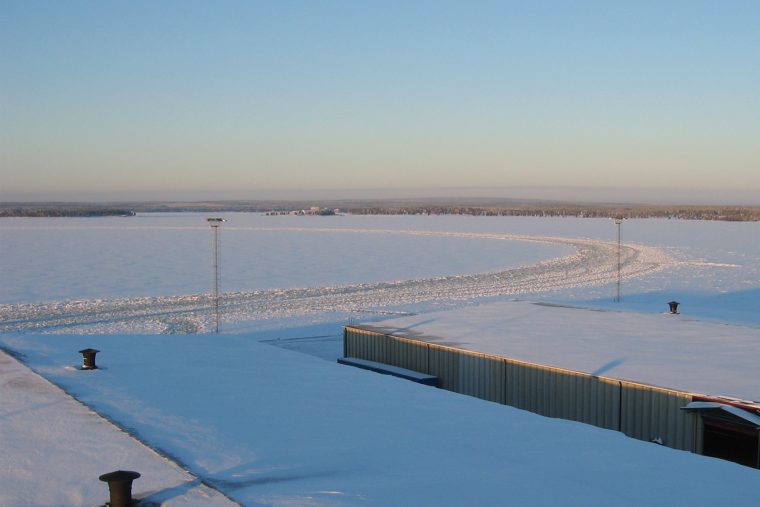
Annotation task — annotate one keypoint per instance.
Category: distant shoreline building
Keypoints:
(312, 211)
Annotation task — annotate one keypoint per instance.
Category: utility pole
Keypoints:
(215, 223)
(618, 222)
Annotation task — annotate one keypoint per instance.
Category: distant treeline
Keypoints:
(65, 212)
(475, 207)
(732, 214)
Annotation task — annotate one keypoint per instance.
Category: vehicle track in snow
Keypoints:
(594, 263)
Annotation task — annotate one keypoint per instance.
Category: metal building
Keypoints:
(620, 371)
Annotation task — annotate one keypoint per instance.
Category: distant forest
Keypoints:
(732, 214)
(21, 211)
(474, 207)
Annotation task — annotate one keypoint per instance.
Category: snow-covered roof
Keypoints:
(54, 450)
(665, 350)
(267, 426)
(735, 411)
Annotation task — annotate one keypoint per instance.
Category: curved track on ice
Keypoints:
(594, 263)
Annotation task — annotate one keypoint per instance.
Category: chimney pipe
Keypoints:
(120, 487)
(88, 359)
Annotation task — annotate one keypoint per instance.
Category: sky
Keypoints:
(210, 100)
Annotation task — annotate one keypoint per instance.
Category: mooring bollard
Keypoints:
(120, 487)
(673, 307)
(88, 359)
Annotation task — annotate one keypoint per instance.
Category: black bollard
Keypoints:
(88, 359)
(120, 487)
(673, 307)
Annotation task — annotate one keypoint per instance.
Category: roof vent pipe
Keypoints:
(120, 487)
(88, 359)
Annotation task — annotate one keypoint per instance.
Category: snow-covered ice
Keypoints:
(593, 263)
(47, 259)
(152, 273)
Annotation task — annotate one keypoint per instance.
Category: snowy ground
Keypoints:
(267, 426)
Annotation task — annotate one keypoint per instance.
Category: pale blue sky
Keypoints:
(253, 99)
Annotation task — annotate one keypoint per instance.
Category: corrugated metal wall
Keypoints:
(651, 412)
(566, 394)
(639, 411)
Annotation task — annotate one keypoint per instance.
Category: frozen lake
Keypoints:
(162, 254)
(110, 269)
